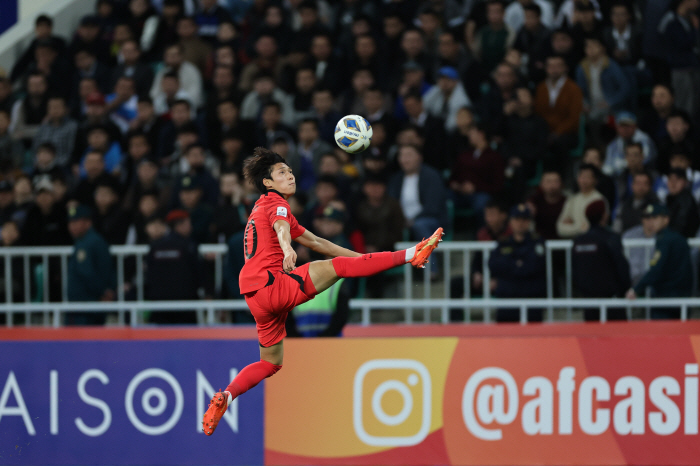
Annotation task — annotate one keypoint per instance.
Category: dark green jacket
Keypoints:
(90, 268)
(670, 274)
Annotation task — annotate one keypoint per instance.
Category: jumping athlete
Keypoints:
(273, 285)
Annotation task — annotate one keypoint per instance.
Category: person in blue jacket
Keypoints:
(517, 266)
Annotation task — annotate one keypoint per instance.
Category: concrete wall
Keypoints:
(65, 13)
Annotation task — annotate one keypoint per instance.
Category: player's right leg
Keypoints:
(324, 274)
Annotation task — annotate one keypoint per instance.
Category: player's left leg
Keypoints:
(324, 274)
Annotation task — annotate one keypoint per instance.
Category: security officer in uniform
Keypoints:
(599, 266)
(670, 274)
(91, 274)
(517, 266)
(173, 270)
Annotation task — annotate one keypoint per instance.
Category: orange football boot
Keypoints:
(425, 248)
(217, 407)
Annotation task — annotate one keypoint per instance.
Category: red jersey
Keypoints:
(261, 247)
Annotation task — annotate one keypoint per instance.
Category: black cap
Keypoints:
(189, 182)
(655, 210)
(520, 211)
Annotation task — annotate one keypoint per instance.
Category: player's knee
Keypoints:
(274, 368)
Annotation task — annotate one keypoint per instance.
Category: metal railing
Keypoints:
(120, 253)
(468, 248)
(207, 309)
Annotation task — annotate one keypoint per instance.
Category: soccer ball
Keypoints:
(353, 134)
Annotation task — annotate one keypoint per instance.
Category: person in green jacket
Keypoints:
(670, 274)
(91, 275)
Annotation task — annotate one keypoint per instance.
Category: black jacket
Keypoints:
(519, 268)
(431, 192)
(172, 269)
(600, 269)
(683, 210)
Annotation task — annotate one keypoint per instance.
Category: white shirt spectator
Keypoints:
(190, 82)
(434, 103)
(410, 202)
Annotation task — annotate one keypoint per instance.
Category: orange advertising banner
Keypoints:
(485, 401)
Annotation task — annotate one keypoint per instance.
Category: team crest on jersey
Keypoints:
(281, 211)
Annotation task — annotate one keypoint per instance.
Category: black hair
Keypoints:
(635, 144)
(171, 74)
(679, 114)
(259, 167)
(137, 134)
(181, 102)
(413, 94)
(645, 173)
(48, 146)
(497, 204)
(534, 7)
(311, 120)
(189, 127)
(591, 167)
(273, 103)
(43, 19)
(145, 99)
(327, 179)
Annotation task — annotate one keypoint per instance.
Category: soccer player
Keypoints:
(273, 285)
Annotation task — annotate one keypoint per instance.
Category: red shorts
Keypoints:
(271, 304)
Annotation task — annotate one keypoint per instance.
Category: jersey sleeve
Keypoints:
(281, 211)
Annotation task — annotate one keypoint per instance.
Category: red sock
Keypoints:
(368, 264)
(250, 376)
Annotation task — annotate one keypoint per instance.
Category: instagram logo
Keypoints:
(397, 412)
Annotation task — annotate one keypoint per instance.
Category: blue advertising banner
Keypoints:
(125, 402)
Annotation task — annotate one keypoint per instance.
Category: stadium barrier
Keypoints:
(613, 394)
(468, 248)
(206, 309)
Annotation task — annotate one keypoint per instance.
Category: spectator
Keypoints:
(188, 74)
(632, 207)
(516, 14)
(6, 97)
(271, 126)
(95, 173)
(331, 225)
(52, 65)
(679, 35)
(7, 201)
(493, 39)
(11, 150)
(98, 139)
(433, 128)
(445, 98)
(264, 93)
(108, 219)
(605, 184)
(559, 101)
(478, 174)
(325, 115)
(29, 113)
(451, 53)
(547, 204)
(43, 30)
(670, 274)
(622, 38)
(194, 49)
(95, 114)
(572, 220)
(194, 165)
(599, 266)
(638, 256)
(680, 160)
(418, 188)
(122, 104)
(88, 67)
(533, 38)
(172, 93)
(323, 316)
(517, 266)
(605, 88)
(653, 122)
(173, 269)
(525, 137)
(23, 199)
(627, 132)
(228, 121)
(230, 215)
(58, 129)
(378, 216)
(501, 93)
(201, 214)
(306, 159)
(266, 62)
(87, 36)
(146, 180)
(634, 160)
(679, 139)
(130, 65)
(180, 120)
(90, 267)
(47, 222)
(9, 237)
(682, 208)
(159, 31)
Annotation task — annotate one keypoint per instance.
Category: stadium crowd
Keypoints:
(529, 119)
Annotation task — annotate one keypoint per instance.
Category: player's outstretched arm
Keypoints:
(285, 238)
(323, 246)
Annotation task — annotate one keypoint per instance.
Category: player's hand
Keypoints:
(290, 259)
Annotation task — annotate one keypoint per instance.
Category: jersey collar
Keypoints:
(274, 191)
